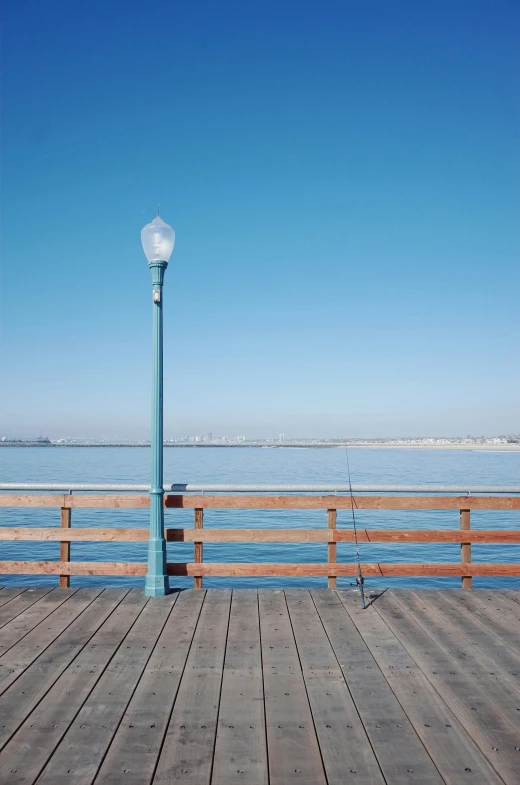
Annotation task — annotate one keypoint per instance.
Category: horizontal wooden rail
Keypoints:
(342, 570)
(178, 501)
(72, 568)
(87, 534)
(198, 535)
(256, 570)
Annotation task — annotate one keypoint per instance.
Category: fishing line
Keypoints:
(359, 579)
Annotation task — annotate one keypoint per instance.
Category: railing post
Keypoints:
(66, 516)
(197, 546)
(331, 547)
(465, 547)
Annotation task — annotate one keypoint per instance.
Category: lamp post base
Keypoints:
(157, 583)
(157, 586)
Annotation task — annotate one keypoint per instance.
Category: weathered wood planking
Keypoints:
(330, 535)
(294, 753)
(10, 592)
(503, 657)
(84, 745)
(33, 645)
(500, 604)
(460, 656)
(135, 749)
(485, 724)
(261, 502)
(24, 622)
(20, 601)
(413, 690)
(187, 753)
(240, 749)
(451, 748)
(507, 632)
(346, 752)
(43, 703)
(388, 727)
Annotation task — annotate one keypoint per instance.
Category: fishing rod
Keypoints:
(359, 579)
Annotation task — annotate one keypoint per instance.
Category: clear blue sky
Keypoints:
(343, 178)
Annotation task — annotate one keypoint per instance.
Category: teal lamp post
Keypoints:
(158, 239)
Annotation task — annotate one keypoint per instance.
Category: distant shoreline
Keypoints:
(322, 446)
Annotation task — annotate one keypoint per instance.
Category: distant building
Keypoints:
(282, 437)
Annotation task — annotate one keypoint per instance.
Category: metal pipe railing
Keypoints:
(262, 488)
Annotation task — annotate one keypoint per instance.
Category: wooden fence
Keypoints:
(65, 534)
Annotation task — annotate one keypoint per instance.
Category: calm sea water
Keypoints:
(258, 465)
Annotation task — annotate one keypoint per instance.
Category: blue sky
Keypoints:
(343, 179)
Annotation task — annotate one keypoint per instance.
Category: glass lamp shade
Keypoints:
(158, 239)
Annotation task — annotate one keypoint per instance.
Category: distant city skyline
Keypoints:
(280, 439)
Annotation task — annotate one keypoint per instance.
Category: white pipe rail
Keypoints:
(325, 488)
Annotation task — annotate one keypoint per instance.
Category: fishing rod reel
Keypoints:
(359, 583)
(359, 579)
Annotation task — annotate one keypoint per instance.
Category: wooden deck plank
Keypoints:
(425, 679)
(29, 749)
(491, 621)
(493, 647)
(81, 751)
(25, 652)
(345, 748)
(134, 751)
(20, 603)
(449, 745)
(493, 734)
(499, 603)
(511, 594)
(240, 747)
(31, 687)
(26, 621)
(187, 753)
(462, 656)
(293, 750)
(384, 719)
(10, 592)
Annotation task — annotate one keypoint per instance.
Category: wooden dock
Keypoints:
(256, 687)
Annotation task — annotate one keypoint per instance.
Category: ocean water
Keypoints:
(260, 465)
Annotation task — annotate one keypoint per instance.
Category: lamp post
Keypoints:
(158, 239)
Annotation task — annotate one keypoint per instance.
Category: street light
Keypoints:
(158, 239)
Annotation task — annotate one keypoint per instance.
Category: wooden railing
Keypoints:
(331, 535)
